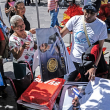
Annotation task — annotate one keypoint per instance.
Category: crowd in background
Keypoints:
(17, 31)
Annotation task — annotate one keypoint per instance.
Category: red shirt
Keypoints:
(1, 35)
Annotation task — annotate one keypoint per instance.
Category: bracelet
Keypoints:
(94, 66)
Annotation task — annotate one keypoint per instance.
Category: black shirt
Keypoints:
(27, 24)
(11, 13)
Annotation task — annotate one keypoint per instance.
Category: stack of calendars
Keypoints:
(41, 95)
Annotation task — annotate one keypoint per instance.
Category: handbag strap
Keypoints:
(28, 67)
(86, 32)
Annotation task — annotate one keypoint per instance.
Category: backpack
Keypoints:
(6, 53)
(90, 56)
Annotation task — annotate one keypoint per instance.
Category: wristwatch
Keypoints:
(94, 66)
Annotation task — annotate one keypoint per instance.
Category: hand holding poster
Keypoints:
(53, 56)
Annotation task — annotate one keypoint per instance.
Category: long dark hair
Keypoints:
(18, 2)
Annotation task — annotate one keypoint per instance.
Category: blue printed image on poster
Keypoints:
(53, 55)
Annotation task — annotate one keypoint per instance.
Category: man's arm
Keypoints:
(100, 51)
(92, 71)
(64, 31)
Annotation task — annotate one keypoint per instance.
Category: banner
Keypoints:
(53, 56)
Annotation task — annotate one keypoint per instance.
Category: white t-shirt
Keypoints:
(96, 31)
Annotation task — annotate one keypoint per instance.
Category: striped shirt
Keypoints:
(51, 4)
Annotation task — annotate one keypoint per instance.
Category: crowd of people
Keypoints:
(22, 45)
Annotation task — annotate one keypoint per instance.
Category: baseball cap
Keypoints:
(93, 5)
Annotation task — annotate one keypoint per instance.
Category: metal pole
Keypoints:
(37, 14)
(1, 13)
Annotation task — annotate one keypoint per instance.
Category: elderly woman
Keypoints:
(21, 42)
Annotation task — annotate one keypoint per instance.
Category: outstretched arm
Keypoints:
(92, 71)
(64, 31)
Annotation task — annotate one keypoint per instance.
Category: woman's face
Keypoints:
(19, 27)
(20, 9)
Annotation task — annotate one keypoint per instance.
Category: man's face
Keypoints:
(43, 47)
(89, 16)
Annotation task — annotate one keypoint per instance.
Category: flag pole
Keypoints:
(37, 14)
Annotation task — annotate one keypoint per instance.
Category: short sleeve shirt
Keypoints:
(52, 4)
(96, 31)
(17, 42)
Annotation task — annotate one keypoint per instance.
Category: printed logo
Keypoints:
(52, 65)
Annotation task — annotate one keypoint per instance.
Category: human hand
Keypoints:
(11, 8)
(26, 45)
(55, 9)
(59, 28)
(75, 101)
(33, 30)
(91, 73)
